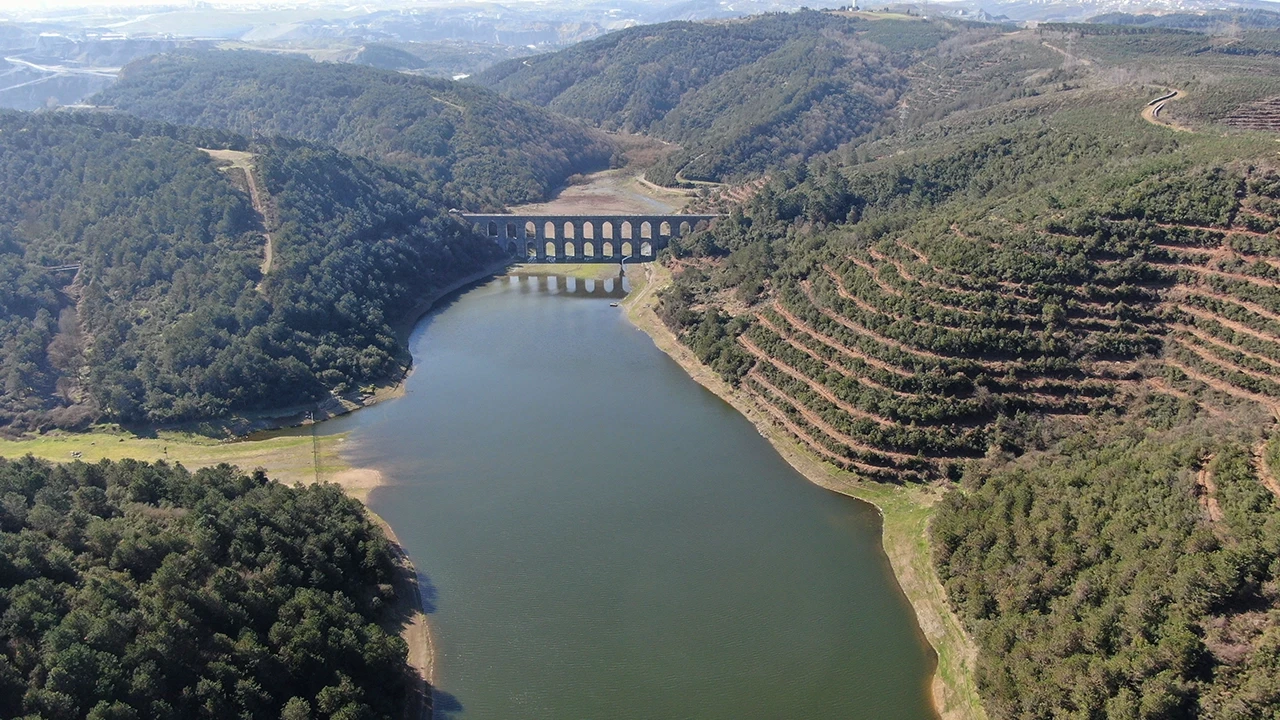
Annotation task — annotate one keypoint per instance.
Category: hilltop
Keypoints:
(737, 96)
(469, 144)
(147, 280)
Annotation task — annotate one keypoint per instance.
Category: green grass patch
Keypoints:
(581, 271)
(287, 458)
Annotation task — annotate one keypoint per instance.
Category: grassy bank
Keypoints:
(287, 458)
(906, 511)
(581, 271)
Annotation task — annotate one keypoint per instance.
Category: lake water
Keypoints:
(603, 538)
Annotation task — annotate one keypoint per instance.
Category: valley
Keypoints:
(988, 313)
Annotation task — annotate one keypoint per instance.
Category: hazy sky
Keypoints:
(30, 6)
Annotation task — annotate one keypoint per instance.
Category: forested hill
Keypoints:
(1028, 263)
(130, 590)
(477, 148)
(738, 96)
(132, 270)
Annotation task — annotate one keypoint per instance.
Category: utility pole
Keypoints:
(315, 446)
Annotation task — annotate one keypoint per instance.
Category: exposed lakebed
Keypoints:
(601, 537)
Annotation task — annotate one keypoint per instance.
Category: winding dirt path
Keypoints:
(1151, 113)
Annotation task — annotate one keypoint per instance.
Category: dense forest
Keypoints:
(138, 591)
(472, 146)
(135, 284)
(738, 97)
(1126, 572)
(1018, 259)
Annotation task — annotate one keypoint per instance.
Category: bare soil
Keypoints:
(243, 161)
(622, 192)
(1267, 477)
(1206, 492)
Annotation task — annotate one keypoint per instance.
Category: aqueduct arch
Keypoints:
(590, 238)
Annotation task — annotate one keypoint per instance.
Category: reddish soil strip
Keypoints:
(1047, 400)
(816, 420)
(911, 249)
(1206, 490)
(838, 368)
(806, 328)
(1011, 288)
(808, 291)
(1225, 322)
(1202, 270)
(995, 365)
(791, 427)
(244, 162)
(844, 293)
(1221, 386)
(910, 278)
(875, 276)
(1265, 475)
(1210, 340)
(1218, 253)
(1112, 370)
(769, 406)
(867, 307)
(1160, 385)
(801, 346)
(1224, 231)
(1207, 356)
(1247, 305)
(816, 387)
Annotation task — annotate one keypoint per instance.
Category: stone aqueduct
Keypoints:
(584, 238)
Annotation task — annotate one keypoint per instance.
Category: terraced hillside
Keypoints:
(1260, 115)
(921, 345)
(1223, 309)
(919, 298)
(1067, 319)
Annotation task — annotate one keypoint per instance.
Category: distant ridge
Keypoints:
(478, 149)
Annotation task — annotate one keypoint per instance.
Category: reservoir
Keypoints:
(601, 537)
